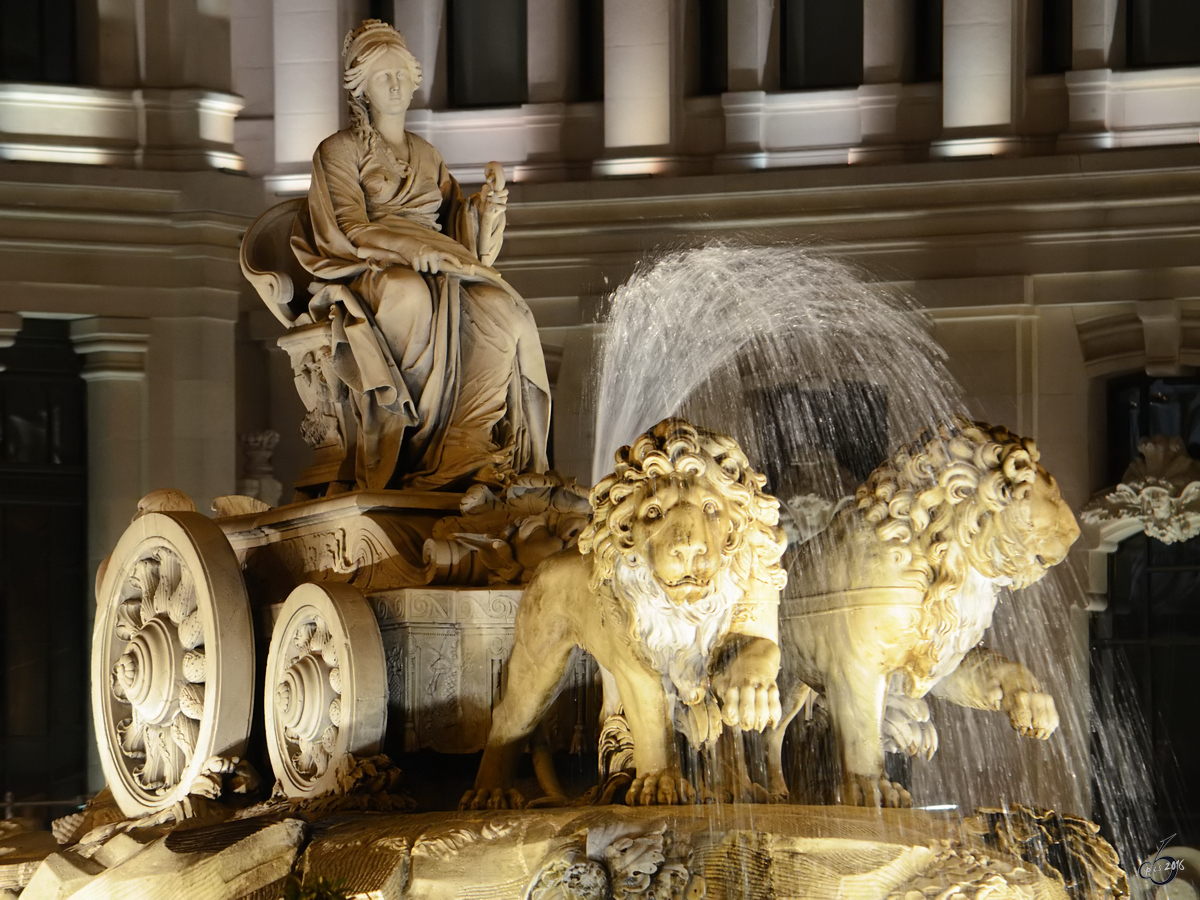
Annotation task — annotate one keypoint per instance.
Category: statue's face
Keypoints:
(389, 84)
(681, 529)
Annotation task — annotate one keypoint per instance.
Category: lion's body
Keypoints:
(900, 590)
(674, 590)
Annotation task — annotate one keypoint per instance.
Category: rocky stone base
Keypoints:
(684, 853)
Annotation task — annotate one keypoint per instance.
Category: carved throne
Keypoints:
(271, 267)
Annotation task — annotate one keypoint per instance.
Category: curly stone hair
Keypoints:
(938, 505)
(675, 446)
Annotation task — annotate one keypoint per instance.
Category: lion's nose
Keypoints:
(687, 549)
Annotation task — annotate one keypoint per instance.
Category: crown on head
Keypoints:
(368, 27)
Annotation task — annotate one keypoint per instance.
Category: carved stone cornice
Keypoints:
(1159, 495)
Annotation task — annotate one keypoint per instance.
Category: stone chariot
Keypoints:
(366, 605)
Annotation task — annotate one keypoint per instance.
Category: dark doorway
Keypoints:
(44, 585)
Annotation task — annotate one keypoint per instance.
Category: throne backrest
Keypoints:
(270, 265)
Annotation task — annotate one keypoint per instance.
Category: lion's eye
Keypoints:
(653, 511)
(710, 508)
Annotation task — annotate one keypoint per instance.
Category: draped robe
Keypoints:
(445, 393)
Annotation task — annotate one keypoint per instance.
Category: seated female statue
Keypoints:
(440, 354)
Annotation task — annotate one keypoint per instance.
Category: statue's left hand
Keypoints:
(747, 689)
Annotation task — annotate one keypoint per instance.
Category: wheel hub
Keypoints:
(149, 669)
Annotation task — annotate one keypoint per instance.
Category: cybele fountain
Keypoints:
(792, 524)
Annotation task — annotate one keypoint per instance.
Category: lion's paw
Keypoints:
(491, 798)
(877, 792)
(907, 728)
(666, 787)
(1032, 713)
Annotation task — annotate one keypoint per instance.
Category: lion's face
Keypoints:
(682, 528)
(1036, 534)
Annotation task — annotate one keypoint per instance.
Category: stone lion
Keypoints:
(900, 589)
(674, 589)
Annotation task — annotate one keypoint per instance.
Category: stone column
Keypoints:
(252, 61)
(551, 30)
(1097, 48)
(753, 54)
(111, 46)
(887, 64)
(308, 79)
(193, 401)
(114, 367)
(887, 36)
(1097, 34)
(422, 22)
(186, 44)
(637, 76)
(983, 68)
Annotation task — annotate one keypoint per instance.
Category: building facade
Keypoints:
(1028, 170)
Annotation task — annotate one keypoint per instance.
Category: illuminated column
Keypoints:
(421, 21)
(111, 43)
(753, 61)
(887, 31)
(887, 63)
(114, 367)
(552, 23)
(980, 70)
(308, 79)
(637, 75)
(1095, 41)
(1097, 47)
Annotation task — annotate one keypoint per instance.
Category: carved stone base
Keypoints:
(689, 852)
(603, 853)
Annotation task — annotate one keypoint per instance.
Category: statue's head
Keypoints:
(685, 504)
(379, 69)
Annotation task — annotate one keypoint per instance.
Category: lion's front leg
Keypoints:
(857, 699)
(746, 685)
(659, 780)
(987, 680)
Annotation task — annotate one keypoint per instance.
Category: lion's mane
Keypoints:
(938, 506)
(675, 446)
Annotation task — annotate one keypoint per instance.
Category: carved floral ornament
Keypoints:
(1160, 491)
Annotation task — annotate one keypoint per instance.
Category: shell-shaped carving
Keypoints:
(185, 731)
(183, 601)
(169, 574)
(304, 635)
(124, 673)
(146, 609)
(191, 701)
(283, 698)
(144, 576)
(194, 666)
(320, 638)
(191, 631)
(129, 620)
(329, 739)
(133, 738)
(335, 679)
(335, 712)
(329, 654)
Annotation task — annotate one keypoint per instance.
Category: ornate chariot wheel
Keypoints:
(326, 687)
(172, 659)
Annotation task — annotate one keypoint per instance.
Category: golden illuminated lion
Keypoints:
(674, 589)
(901, 587)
